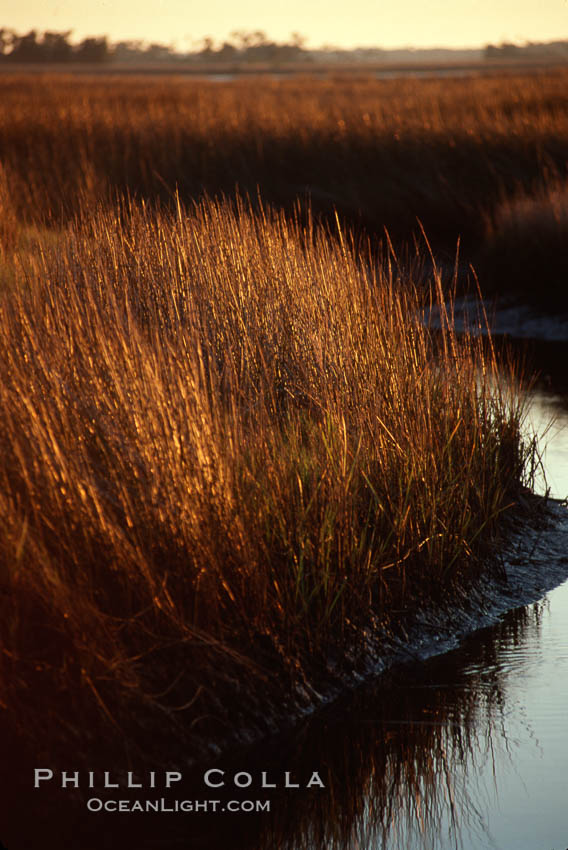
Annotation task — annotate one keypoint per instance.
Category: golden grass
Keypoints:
(229, 443)
(380, 152)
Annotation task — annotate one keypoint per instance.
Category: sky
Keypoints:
(377, 23)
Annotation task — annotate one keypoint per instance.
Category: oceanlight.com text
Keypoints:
(95, 804)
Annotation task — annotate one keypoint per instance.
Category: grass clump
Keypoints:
(525, 246)
(229, 445)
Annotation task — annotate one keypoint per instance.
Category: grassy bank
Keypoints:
(454, 153)
(230, 447)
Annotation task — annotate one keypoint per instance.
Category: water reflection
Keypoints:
(548, 414)
(414, 762)
(549, 417)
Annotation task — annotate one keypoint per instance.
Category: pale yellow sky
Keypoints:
(383, 23)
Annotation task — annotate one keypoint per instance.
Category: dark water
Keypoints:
(466, 751)
(549, 417)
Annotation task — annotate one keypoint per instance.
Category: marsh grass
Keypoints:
(526, 243)
(230, 445)
(379, 152)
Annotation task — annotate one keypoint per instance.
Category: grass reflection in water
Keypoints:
(405, 761)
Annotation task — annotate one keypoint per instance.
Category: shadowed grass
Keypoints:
(526, 245)
(229, 445)
(380, 152)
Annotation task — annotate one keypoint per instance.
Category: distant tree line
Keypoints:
(530, 50)
(254, 46)
(243, 46)
(51, 47)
